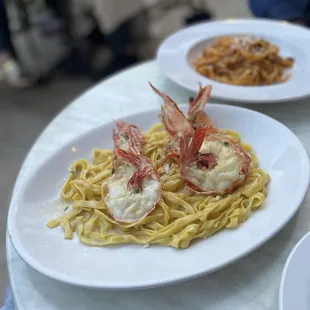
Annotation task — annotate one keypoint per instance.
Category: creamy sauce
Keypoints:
(127, 206)
(223, 175)
(56, 206)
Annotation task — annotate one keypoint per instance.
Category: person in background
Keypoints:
(10, 70)
(296, 11)
(122, 27)
(52, 20)
(125, 25)
(8, 301)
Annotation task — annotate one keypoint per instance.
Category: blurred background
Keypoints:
(53, 50)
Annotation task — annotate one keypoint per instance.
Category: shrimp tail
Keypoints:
(190, 147)
(197, 140)
(131, 133)
(140, 162)
(135, 182)
(190, 150)
(131, 158)
(196, 114)
(172, 117)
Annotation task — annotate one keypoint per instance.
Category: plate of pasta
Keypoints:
(148, 201)
(253, 61)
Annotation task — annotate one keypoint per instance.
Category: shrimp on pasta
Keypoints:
(210, 162)
(134, 188)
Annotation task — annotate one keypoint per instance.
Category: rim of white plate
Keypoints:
(285, 268)
(54, 274)
(173, 53)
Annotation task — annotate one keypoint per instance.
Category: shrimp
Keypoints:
(134, 188)
(128, 137)
(210, 162)
(173, 119)
(196, 114)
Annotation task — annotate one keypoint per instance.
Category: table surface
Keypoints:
(251, 283)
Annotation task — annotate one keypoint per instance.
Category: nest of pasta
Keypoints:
(180, 216)
(243, 60)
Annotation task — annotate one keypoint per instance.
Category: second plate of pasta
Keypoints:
(183, 232)
(251, 61)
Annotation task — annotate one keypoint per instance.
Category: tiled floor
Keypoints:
(23, 115)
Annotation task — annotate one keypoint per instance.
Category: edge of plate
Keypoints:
(285, 268)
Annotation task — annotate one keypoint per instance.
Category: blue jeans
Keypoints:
(281, 9)
(5, 34)
(8, 301)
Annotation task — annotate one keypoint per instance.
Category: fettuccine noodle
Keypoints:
(243, 60)
(181, 214)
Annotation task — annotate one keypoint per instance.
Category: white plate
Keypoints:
(177, 52)
(295, 281)
(280, 153)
